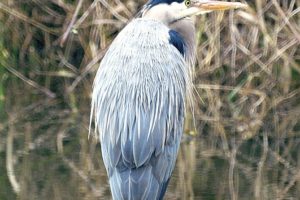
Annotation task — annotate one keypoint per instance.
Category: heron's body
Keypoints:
(139, 98)
(140, 106)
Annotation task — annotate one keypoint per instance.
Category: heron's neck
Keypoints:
(186, 29)
(184, 26)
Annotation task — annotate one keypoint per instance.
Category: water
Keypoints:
(52, 158)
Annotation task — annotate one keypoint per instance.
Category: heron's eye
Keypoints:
(187, 3)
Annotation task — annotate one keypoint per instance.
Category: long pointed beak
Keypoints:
(207, 5)
(199, 7)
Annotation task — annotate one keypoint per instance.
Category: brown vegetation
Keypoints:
(247, 99)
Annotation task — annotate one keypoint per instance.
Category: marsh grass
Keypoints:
(247, 98)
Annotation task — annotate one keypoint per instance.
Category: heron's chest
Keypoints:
(141, 63)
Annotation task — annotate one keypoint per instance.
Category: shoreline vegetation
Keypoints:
(242, 137)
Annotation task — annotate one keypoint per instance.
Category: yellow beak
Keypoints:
(207, 5)
(199, 7)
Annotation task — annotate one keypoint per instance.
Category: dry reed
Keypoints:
(247, 86)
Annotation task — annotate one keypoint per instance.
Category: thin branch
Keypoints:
(86, 70)
(67, 32)
(24, 18)
(31, 82)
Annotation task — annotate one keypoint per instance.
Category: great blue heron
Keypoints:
(139, 95)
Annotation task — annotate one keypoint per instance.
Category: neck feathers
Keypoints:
(182, 32)
(186, 29)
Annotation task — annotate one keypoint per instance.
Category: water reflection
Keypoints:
(46, 155)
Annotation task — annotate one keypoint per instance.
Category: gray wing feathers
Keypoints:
(138, 105)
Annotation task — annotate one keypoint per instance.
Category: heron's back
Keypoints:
(138, 101)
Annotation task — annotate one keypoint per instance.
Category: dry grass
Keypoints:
(247, 77)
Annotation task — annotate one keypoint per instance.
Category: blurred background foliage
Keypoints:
(242, 138)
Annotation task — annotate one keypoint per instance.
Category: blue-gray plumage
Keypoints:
(139, 96)
(141, 109)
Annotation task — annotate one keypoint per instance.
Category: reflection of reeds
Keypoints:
(10, 161)
(248, 112)
(186, 166)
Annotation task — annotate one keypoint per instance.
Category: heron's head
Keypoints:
(171, 11)
(178, 16)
